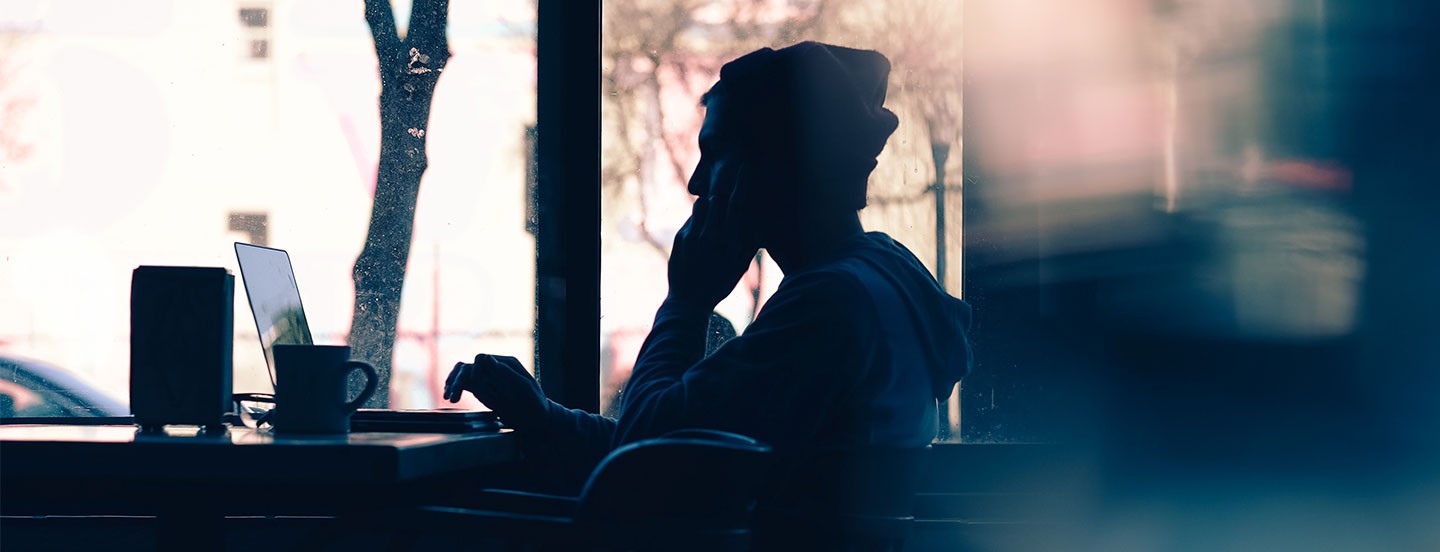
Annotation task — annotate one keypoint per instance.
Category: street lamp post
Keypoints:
(941, 152)
(940, 136)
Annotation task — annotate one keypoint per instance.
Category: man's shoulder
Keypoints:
(833, 294)
(846, 274)
(825, 313)
(849, 282)
(838, 280)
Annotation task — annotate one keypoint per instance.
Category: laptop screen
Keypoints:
(274, 298)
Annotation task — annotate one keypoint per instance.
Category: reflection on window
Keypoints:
(254, 226)
(255, 26)
(259, 49)
(255, 17)
(17, 401)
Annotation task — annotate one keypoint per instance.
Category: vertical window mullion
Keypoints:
(567, 275)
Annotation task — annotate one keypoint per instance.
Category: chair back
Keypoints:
(843, 499)
(686, 481)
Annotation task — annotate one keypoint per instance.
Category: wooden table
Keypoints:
(190, 480)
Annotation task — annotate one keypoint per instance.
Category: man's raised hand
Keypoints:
(710, 255)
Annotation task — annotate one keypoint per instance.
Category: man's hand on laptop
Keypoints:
(504, 385)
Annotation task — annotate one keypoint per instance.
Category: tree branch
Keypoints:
(672, 153)
(381, 18)
(427, 31)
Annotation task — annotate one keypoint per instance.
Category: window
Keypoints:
(657, 60)
(1076, 172)
(130, 161)
(255, 27)
(255, 17)
(253, 226)
(259, 49)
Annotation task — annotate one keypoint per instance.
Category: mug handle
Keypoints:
(370, 378)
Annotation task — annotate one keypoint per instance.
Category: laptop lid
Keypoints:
(274, 299)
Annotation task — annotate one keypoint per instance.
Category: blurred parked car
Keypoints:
(34, 389)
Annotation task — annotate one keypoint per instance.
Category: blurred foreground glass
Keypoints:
(1147, 184)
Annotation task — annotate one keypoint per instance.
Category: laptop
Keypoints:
(280, 320)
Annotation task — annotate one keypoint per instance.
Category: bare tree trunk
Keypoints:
(409, 69)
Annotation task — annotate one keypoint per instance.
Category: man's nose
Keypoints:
(699, 183)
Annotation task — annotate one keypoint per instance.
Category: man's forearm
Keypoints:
(676, 342)
(576, 434)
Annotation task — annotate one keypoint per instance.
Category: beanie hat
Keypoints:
(815, 110)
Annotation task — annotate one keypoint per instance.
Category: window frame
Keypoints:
(567, 245)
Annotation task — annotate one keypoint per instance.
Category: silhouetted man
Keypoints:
(858, 342)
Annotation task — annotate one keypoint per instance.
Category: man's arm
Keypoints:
(779, 382)
(545, 426)
(573, 441)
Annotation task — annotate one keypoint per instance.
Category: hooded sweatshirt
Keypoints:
(853, 351)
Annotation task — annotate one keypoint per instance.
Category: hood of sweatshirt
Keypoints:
(940, 319)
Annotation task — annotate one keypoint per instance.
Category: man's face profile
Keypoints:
(732, 173)
(719, 165)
